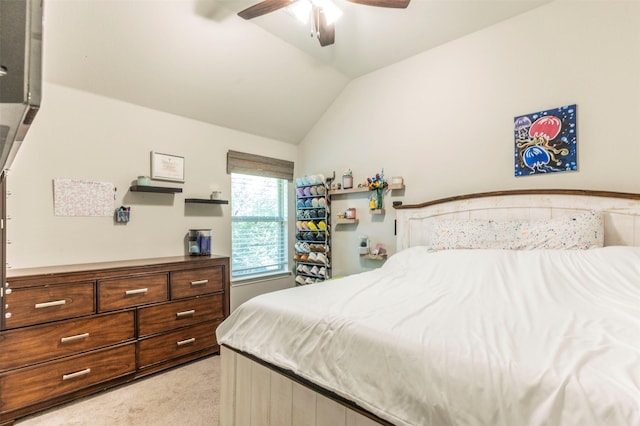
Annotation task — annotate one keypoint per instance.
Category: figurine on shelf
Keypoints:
(379, 250)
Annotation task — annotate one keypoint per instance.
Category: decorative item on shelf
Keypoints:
(347, 179)
(350, 213)
(364, 245)
(167, 167)
(397, 180)
(143, 181)
(199, 242)
(216, 195)
(377, 184)
(379, 250)
(328, 181)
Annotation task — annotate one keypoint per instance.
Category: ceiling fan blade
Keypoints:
(398, 4)
(264, 7)
(326, 32)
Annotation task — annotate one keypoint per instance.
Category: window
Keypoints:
(259, 187)
(258, 225)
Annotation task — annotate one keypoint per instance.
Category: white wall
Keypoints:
(443, 119)
(79, 135)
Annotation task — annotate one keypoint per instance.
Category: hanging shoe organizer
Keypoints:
(313, 239)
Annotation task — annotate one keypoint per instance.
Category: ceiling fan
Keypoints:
(323, 12)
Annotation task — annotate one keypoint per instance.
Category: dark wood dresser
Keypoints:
(68, 331)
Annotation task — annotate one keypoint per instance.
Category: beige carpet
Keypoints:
(186, 395)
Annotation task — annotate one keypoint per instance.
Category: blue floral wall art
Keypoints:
(545, 141)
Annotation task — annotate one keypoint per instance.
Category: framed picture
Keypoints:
(167, 167)
(546, 141)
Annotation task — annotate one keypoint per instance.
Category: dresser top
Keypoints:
(191, 261)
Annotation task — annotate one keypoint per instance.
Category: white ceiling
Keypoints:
(265, 76)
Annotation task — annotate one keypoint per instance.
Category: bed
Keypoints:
(500, 308)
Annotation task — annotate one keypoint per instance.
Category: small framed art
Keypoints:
(167, 167)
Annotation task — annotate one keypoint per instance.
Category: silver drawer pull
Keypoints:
(76, 374)
(72, 338)
(49, 304)
(186, 342)
(136, 291)
(200, 282)
(185, 313)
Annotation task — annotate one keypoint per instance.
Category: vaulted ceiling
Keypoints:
(265, 76)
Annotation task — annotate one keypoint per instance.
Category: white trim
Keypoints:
(239, 282)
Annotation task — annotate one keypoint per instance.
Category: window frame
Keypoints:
(281, 265)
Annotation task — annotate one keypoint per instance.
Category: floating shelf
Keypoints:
(205, 201)
(377, 211)
(365, 189)
(374, 256)
(346, 221)
(158, 189)
(348, 191)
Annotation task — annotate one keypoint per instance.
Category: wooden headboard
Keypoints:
(621, 212)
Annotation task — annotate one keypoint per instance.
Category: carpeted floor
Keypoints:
(186, 395)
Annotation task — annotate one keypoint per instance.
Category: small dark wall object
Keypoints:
(123, 214)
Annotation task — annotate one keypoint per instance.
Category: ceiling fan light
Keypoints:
(301, 10)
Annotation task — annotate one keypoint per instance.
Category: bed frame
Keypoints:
(621, 212)
(255, 393)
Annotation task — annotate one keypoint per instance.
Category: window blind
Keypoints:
(259, 225)
(257, 165)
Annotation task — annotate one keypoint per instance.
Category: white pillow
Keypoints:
(579, 231)
(451, 234)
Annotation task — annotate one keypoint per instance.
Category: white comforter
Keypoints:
(465, 337)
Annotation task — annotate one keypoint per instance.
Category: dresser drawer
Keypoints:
(181, 313)
(45, 342)
(176, 343)
(131, 291)
(194, 282)
(26, 386)
(35, 305)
